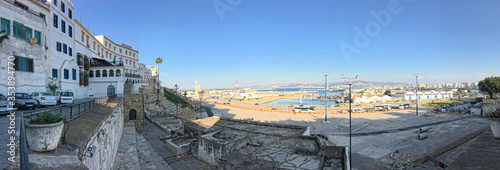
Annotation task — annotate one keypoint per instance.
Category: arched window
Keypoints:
(118, 73)
(104, 73)
(91, 73)
(98, 73)
(111, 73)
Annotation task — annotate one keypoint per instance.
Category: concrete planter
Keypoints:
(495, 127)
(43, 137)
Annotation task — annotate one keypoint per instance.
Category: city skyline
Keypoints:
(260, 42)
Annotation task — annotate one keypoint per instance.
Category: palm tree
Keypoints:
(158, 62)
(3, 37)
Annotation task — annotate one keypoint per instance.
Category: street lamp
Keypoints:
(349, 81)
(60, 72)
(176, 87)
(326, 92)
(416, 77)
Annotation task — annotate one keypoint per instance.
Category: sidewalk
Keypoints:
(483, 153)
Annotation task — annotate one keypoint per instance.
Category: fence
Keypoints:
(70, 111)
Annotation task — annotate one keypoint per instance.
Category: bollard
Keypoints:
(422, 136)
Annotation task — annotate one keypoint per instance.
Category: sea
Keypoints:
(303, 101)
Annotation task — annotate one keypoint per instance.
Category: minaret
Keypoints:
(236, 85)
(196, 87)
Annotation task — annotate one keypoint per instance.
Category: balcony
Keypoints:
(131, 75)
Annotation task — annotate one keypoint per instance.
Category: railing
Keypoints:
(70, 111)
(132, 75)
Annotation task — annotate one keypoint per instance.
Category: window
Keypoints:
(65, 49)
(70, 50)
(111, 73)
(6, 26)
(120, 51)
(54, 73)
(22, 32)
(63, 7)
(74, 74)
(66, 74)
(104, 73)
(91, 73)
(105, 43)
(23, 64)
(94, 45)
(58, 46)
(55, 20)
(70, 14)
(63, 26)
(70, 31)
(55, 2)
(97, 73)
(20, 5)
(83, 35)
(38, 36)
(42, 15)
(118, 73)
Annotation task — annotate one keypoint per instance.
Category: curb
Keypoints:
(424, 158)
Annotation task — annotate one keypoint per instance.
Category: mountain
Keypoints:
(359, 83)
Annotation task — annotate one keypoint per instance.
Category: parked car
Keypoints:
(24, 100)
(64, 97)
(4, 103)
(44, 98)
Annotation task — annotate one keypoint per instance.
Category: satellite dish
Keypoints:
(33, 40)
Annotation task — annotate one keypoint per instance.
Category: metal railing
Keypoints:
(69, 111)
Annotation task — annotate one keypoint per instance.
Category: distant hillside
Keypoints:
(320, 85)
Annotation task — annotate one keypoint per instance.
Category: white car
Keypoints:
(44, 98)
(65, 96)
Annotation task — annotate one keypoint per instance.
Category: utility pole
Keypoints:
(416, 76)
(349, 81)
(176, 87)
(326, 92)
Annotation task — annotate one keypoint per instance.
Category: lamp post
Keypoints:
(416, 77)
(326, 92)
(349, 81)
(176, 87)
(60, 72)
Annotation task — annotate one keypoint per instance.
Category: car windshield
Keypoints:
(22, 96)
(46, 94)
(66, 93)
(2, 97)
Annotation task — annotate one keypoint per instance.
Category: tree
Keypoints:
(158, 61)
(490, 85)
(3, 37)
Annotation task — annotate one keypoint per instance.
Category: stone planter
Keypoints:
(43, 137)
(495, 127)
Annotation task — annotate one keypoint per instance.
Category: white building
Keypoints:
(425, 95)
(24, 21)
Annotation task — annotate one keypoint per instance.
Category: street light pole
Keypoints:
(349, 81)
(176, 87)
(416, 77)
(326, 93)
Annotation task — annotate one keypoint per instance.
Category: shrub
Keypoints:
(47, 117)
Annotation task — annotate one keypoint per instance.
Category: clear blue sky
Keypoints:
(281, 41)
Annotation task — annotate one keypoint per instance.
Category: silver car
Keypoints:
(24, 100)
(44, 98)
(4, 104)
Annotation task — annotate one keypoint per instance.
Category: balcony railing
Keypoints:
(132, 75)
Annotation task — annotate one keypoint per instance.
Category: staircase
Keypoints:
(134, 152)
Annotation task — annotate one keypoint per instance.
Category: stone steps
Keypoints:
(134, 152)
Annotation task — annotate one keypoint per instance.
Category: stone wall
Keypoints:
(106, 141)
(489, 105)
(212, 146)
(188, 115)
(134, 102)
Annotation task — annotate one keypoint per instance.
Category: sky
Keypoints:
(256, 42)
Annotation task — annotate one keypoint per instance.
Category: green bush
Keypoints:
(495, 114)
(47, 117)
(176, 99)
